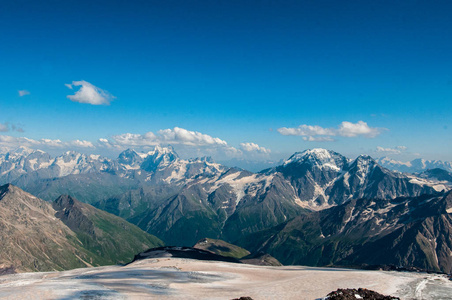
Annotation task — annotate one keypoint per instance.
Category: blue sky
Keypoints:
(232, 79)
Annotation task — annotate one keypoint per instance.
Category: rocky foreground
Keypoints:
(178, 278)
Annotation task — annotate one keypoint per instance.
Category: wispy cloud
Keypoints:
(347, 129)
(23, 93)
(396, 150)
(11, 142)
(5, 127)
(318, 138)
(89, 93)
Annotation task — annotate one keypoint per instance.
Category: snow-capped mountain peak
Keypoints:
(130, 159)
(414, 166)
(23, 151)
(158, 158)
(362, 166)
(321, 158)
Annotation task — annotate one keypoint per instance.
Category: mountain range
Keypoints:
(414, 166)
(409, 232)
(302, 211)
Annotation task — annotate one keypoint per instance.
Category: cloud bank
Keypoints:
(175, 136)
(10, 142)
(190, 142)
(89, 93)
(315, 133)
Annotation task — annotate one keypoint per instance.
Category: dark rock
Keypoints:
(7, 270)
(183, 252)
(353, 294)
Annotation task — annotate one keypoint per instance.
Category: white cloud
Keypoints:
(317, 133)
(252, 147)
(175, 136)
(192, 138)
(306, 130)
(90, 94)
(23, 93)
(361, 128)
(396, 150)
(82, 144)
(49, 143)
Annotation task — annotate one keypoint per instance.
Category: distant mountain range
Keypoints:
(167, 195)
(288, 208)
(165, 166)
(415, 166)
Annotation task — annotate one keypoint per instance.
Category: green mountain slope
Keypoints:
(102, 233)
(34, 236)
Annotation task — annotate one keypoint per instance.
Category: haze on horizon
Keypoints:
(233, 80)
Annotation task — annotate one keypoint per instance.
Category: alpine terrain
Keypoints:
(40, 236)
(304, 211)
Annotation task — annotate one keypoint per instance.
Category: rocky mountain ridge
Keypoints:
(411, 232)
(40, 236)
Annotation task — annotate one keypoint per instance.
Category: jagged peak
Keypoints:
(20, 152)
(64, 201)
(365, 157)
(128, 153)
(163, 150)
(159, 157)
(23, 150)
(362, 165)
(71, 154)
